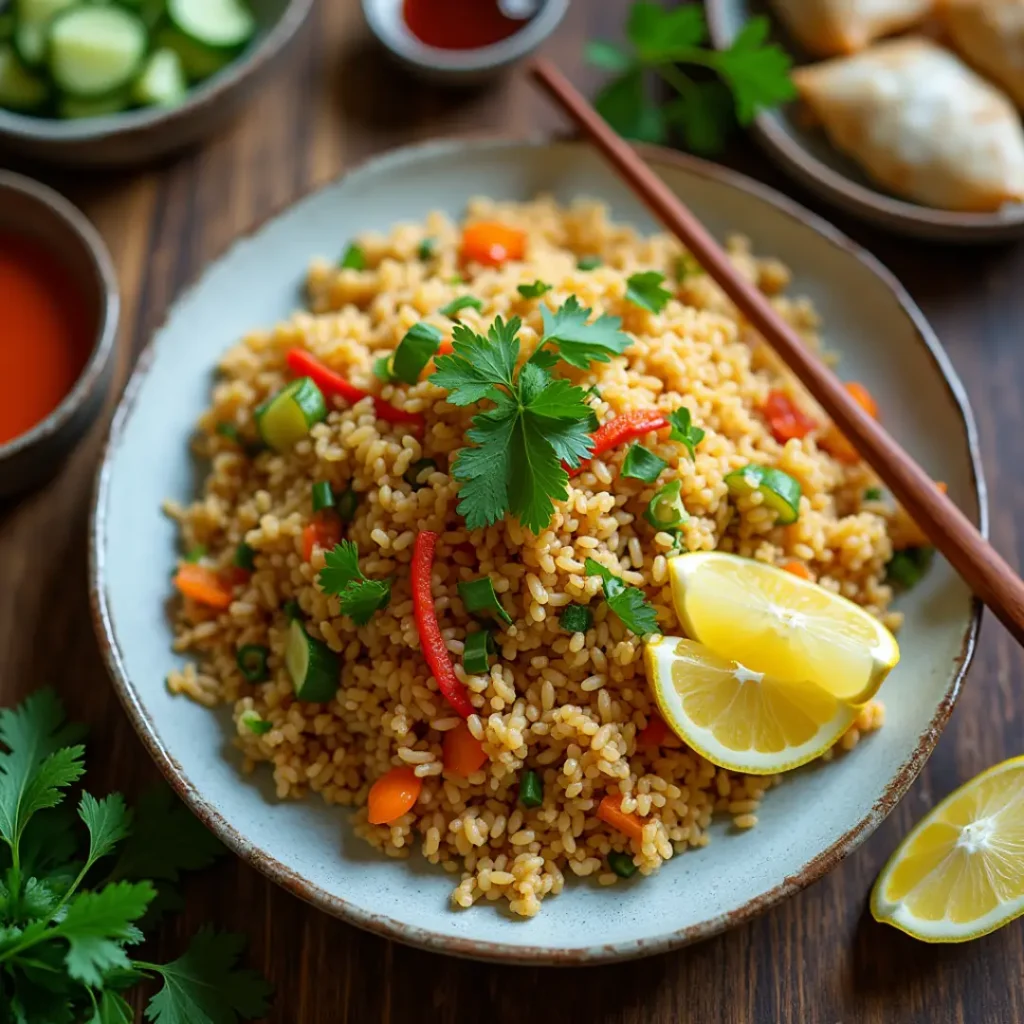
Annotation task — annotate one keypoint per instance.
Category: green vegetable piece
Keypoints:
(414, 351)
(531, 789)
(567, 333)
(427, 249)
(354, 258)
(347, 503)
(323, 496)
(622, 864)
(628, 603)
(644, 290)
(228, 430)
(313, 667)
(907, 567)
(576, 618)
(477, 651)
(382, 369)
(535, 290)
(684, 431)
(255, 722)
(196, 554)
(292, 609)
(642, 464)
(252, 662)
(453, 308)
(358, 596)
(685, 266)
(288, 416)
(665, 510)
(589, 263)
(873, 494)
(414, 475)
(779, 490)
(245, 557)
(479, 598)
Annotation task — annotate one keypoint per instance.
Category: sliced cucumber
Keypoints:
(199, 62)
(216, 24)
(75, 108)
(31, 28)
(19, 88)
(162, 82)
(780, 491)
(95, 51)
(314, 668)
(287, 417)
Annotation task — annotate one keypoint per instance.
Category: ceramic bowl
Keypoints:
(467, 67)
(33, 210)
(809, 823)
(140, 136)
(805, 153)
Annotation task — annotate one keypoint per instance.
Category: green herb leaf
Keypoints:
(255, 722)
(661, 35)
(427, 248)
(644, 290)
(642, 464)
(113, 1009)
(354, 258)
(414, 351)
(453, 308)
(479, 366)
(535, 290)
(359, 601)
(358, 596)
(576, 618)
(588, 263)
(628, 603)
(755, 71)
(206, 986)
(703, 115)
(625, 104)
(607, 56)
(684, 431)
(108, 822)
(580, 343)
(873, 494)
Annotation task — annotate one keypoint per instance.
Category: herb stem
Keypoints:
(682, 83)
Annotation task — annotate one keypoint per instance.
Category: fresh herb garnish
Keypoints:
(588, 263)
(750, 75)
(628, 603)
(70, 909)
(479, 598)
(907, 567)
(462, 302)
(576, 618)
(641, 463)
(354, 258)
(255, 722)
(567, 333)
(873, 494)
(427, 248)
(535, 290)
(358, 596)
(684, 431)
(644, 290)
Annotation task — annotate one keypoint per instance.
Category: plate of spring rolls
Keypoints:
(910, 113)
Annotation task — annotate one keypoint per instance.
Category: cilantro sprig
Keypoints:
(76, 889)
(358, 596)
(628, 603)
(730, 85)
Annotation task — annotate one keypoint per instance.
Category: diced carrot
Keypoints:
(863, 398)
(203, 585)
(610, 810)
(833, 441)
(797, 569)
(654, 733)
(785, 418)
(492, 243)
(463, 752)
(323, 532)
(393, 794)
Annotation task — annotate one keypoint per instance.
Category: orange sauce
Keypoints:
(45, 334)
(459, 24)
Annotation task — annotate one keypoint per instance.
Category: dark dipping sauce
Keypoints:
(459, 24)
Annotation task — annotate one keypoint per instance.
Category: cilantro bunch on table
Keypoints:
(712, 89)
(536, 426)
(76, 888)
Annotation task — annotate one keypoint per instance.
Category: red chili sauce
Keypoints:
(459, 24)
(45, 334)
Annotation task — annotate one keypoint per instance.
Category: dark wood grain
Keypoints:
(817, 959)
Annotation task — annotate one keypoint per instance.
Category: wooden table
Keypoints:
(817, 959)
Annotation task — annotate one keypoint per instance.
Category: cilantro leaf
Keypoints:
(359, 597)
(108, 821)
(354, 257)
(342, 568)
(535, 290)
(536, 476)
(683, 430)
(665, 35)
(113, 1009)
(703, 116)
(48, 844)
(205, 986)
(566, 330)
(628, 603)
(644, 290)
(624, 103)
(479, 365)
(483, 470)
(756, 72)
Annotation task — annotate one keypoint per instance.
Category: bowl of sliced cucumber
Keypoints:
(117, 82)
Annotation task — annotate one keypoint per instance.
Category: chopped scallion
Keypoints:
(414, 475)
(479, 597)
(908, 566)
(531, 789)
(779, 491)
(245, 557)
(665, 510)
(323, 496)
(588, 263)
(414, 351)
(462, 302)
(642, 464)
(346, 504)
(576, 618)
(535, 290)
(382, 369)
(354, 258)
(252, 660)
(292, 610)
(196, 553)
(427, 249)
(622, 864)
(873, 494)
(255, 722)
(477, 650)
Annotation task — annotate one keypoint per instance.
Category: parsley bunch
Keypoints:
(71, 908)
(538, 426)
(750, 75)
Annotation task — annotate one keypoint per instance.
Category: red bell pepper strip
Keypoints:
(302, 364)
(627, 427)
(434, 650)
(785, 418)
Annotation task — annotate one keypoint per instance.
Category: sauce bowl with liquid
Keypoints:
(59, 308)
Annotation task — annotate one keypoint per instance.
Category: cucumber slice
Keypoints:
(780, 491)
(199, 62)
(30, 31)
(314, 668)
(162, 82)
(74, 108)
(217, 24)
(96, 50)
(19, 88)
(287, 417)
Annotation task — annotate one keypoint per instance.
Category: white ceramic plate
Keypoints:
(807, 825)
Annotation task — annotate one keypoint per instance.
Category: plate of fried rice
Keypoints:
(400, 514)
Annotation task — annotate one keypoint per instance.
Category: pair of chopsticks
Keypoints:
(980, 565)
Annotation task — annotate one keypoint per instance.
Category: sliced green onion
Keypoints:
(873, 494)
(642, 464)
(255, 722)
(252, 660)
(346, 504)
(622, 864)
(323, 496)
(292, 610)
(354, 258)
(476, 652)
(588, 263)
(531, 789)
(288, 416)
(479, 596)
(413, 475)
(382, 369)
(459, 304)
(414, 351)
(780, 491)
(665, 510)
(576, 618)
(245, 557)
(228, 430)
(196, 554)
(908, 566)
(427, 249)
(535, 290)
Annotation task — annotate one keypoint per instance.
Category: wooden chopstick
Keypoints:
(981, 566)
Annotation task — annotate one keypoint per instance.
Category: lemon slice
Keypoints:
(739, 719)
(960, 872)
(774, 622)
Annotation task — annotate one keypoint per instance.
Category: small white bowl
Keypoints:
(387, 23)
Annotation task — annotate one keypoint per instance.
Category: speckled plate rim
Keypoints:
(874, 205)
(426, 938)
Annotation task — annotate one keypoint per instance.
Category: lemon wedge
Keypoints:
(775, 623)
(960, 872)
(739, 719)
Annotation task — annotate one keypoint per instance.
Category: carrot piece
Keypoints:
(797, 569)
(610, 811)
(863, 398)
(463, 752)
(627, 427)
(203, 585)
(393, 794)
(833, 442)
(434, 648)
(654, 733)
(492, 243)
(785, 418)
(323, 532)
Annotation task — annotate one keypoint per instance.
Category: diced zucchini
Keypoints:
(199, 62)
(216, 24)
(162, 82)
(95, 51)
(779, 490)
(19, 88)
(287, 417)
(74, 108)
(314, 668)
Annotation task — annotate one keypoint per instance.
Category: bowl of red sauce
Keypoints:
(58, 320)
(462, 40)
